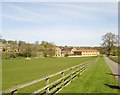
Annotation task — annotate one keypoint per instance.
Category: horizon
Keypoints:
(70, 23)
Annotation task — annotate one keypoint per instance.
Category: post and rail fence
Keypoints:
(57, 85)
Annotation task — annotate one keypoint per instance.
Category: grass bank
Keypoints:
(114, 58)
(96, 79)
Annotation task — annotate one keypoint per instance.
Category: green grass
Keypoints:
(0, 75)
(94, 80)
(19, 71)
(114, 58)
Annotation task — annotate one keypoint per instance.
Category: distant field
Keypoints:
(96, 79)
(18, 71)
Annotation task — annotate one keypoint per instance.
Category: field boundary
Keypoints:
(114, 67)
(60, 83)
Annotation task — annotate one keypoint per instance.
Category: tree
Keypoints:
(109, 41)
(47, 48)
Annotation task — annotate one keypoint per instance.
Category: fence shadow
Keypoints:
(112, 86)
(113, 74)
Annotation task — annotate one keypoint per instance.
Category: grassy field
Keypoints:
(114, 58)
(96, 79)
(20, 71)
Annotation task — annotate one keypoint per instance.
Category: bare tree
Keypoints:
(109, 40)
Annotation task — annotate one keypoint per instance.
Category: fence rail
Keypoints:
(58, 84)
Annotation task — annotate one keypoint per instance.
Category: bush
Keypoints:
(8, 55)
(114, 58)
(66, 55)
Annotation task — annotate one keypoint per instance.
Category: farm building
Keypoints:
(76, 52)
(85, 52)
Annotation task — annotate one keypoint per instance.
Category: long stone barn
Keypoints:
(84, 52)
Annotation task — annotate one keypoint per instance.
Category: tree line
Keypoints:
(13, 49)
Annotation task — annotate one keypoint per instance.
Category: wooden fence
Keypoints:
(57, 85)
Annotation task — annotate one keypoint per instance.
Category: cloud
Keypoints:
(23, 14)
(60, 11)
(21, 9)
(89, 7)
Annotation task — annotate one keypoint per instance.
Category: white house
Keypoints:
(58, 52)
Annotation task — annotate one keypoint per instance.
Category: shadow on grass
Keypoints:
(112, 86)
(113, 74)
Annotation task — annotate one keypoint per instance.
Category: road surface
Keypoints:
(115, 68)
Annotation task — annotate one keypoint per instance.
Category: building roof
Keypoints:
(51, 48)
(86, 50)
(65, 50)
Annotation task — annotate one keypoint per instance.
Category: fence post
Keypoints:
(47, 83)
(76, 71)
(88, 65)
(79, 68)
(62, 75)
(83, 68)
(76, 68)
(71, 74)
(13, 92)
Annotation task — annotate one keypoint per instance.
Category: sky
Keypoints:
(63, 23)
